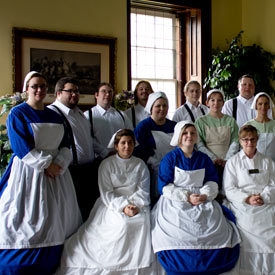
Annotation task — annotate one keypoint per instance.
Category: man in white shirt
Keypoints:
(104, 119)
(192, 109)
(83, 147)
(240, 106)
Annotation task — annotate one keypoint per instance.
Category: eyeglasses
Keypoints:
(246, 140)
(42, 87)
(71, 91)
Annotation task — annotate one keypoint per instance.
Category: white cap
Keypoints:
(177, 130)
(215, 91)
(112, 140)
(27, 78)
(253, 105)
(152, 98)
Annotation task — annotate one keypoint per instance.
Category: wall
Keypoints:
(226, 21)
(104, 18)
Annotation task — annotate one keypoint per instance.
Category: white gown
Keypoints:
(111, 242)
(242, 178)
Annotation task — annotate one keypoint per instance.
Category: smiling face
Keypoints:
(69, 96)
(193, 94)
(37, 90)
(188, 137)
(159, 110)
(246, 87)
(125, 147)
(248, 142)
(262, 105)
(143, 91)
(104, 97)
(215, 103)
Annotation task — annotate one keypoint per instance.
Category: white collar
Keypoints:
(190, 105)
(244, 100)
(64, 108)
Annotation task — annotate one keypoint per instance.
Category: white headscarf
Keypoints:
(27, 78)
(215, 91)
(253, 105)
(177, 130)
(112, 140)
(152, 98)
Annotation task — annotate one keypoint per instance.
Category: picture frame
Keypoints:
(90, 59)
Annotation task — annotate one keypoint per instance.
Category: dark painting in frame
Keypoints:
(91, 59)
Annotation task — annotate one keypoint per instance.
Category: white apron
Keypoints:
(179, 225)
(163, 147)
(256, 223)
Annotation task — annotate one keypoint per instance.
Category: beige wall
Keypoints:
(94, 17)
(226, 21)
(255, 17)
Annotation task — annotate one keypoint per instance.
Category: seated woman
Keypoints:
(192, 109)
(154, 135)
(137, 113)
(249, 185)
(265, 126)
(190, 233)
(218, 132)
(116, 239)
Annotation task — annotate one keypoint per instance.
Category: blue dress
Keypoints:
(192, 239)
(144, 136)
(37, 212)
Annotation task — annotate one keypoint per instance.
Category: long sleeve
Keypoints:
(141, 197)
(22, 143)
(230, 183)
(268, 193)
(210, 189)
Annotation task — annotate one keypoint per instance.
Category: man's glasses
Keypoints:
(71, 91)
(36, 87)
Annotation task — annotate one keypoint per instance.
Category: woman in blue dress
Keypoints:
(154, 135)
(190, 233)
(38, 206)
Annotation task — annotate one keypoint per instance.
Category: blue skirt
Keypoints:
(33, 261)
(199, 262)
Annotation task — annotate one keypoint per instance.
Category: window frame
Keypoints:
(187, 21)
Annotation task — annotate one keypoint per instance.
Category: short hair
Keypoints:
(104, 84)
(60, 84)
(123, 133)
(136, 89)
(36, 75)
(246, 129)
(186, 86)
(246, 76)
(183, 129)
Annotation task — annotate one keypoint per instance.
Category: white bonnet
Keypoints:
(152, 98)
(215, 91)
(177, 130)
(27, 78)
(253, 105)
(112, 140)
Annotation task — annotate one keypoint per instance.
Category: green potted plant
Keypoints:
(228, 65)
(7, 102)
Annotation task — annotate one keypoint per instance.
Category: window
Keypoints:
(165, 45)
(153, 51)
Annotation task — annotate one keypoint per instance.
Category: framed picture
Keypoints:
(90, 59)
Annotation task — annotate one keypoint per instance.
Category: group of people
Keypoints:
(150, 206)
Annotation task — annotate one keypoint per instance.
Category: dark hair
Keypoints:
(246, 76)
(244, 130)
(36, 75)
(122, 133)
(136, 89)
(60, 84)
(103, 84)
(260, 97)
